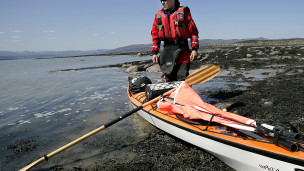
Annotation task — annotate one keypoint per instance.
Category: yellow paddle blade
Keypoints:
(199, 76)
(203, 74)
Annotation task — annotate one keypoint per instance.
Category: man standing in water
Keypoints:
(174, 26)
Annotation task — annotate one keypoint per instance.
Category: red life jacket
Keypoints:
(172, 27)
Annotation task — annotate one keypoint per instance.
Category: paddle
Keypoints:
(276, 134)
(201, 75)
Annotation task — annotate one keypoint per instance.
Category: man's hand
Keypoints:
(155, 59)
(193, 55)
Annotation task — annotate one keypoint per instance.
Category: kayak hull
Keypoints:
(236, 152)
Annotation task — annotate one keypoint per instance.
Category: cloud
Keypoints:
(48, 31)
(112, 33)
(96, 34)
(16, 31)
(2, 32)
(15, 37)
(51, 38)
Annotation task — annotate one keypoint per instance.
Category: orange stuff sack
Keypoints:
(185, 101)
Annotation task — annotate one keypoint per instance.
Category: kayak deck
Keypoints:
(244, 140)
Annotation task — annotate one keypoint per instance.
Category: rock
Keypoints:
(276, 57)
(223, 106)
(132, 69)
(300, 71)
(199, 56)
(275, 53)
(260, 53)
(204, 57)
(138, 55)
(268, 103)
(126, 65)
(286, 57)
(154, 68)
(148, 65)
(135, 68)
(249, 55)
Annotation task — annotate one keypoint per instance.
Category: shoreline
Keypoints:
(273, 97)
(212, 54)
(274, 78)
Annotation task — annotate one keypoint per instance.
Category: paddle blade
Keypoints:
(203, 74)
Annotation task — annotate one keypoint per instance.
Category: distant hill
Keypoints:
(132, 48)
(12, 55)
(274, 41)
(203, 42)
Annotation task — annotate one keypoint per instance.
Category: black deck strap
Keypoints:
(278, 131)
(276, 137)
(301, 148)
(261, 129)
(154, 106)
(188, 121)
(209, 122)
(46, 157)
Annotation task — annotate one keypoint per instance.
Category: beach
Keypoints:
(264, 83)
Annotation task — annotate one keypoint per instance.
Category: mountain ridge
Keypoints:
(12, 55)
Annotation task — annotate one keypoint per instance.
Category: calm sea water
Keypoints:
(41, 111)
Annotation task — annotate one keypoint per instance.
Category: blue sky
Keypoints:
(38, 25)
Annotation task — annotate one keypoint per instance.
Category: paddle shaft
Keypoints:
(201, 75)
(81, 139)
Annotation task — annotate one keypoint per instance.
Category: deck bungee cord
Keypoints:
(240, 142)
(185, 101)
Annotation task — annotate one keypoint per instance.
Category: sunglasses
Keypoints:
(163, 0)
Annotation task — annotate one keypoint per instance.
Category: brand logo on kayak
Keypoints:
(266, 167)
